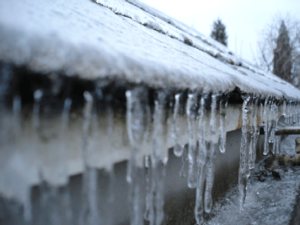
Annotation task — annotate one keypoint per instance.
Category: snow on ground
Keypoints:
(268, 202)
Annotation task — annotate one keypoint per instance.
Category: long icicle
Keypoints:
(136, 118)
(243, 170)
(266, 127)
(89, 214)
(201, 157)
(158, 165)
(192, 173)
(211, 153)
(255, 133)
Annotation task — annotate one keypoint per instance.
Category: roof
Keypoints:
(127, 40)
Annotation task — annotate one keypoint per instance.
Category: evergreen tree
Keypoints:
(219, 32)
(282, 63)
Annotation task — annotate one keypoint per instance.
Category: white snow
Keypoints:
(127, 40)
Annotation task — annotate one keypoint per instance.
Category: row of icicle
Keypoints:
(207, 135)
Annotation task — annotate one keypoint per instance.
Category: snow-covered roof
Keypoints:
(128, 40)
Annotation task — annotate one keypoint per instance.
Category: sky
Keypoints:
(244, 19)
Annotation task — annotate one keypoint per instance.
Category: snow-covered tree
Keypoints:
(219, 32)
(282, 62)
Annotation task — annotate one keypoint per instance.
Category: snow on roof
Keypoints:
(128, 40)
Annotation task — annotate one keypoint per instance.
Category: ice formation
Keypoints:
(179, 101)
(154, 118)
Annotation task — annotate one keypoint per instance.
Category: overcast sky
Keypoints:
(244, 19)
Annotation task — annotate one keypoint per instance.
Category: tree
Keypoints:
(219, 32)
(273, 38)
(282, 61)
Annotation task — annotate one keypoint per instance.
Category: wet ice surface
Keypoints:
(268, 202)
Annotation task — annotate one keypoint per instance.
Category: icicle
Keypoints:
(273, 122)
(136, 124)
(136, 119)
(148, 189)
(66, 110)
(287, 112)
(210, 155)
(284, 109)
(254, 135)
(290, 113)
(86, 124)
(266, 128)
(213, 113)
(277, 144)
(93, 217)
(223, 106)
(201, 162)
(202, 126)
(244, 168)
(294, 113)
(178, 149)
(89, 214)
(157, 164)
(202, 150)
(192, 174)
(209, 177)
(36, 108)
(199, 207)
(252, 118)
(184, 158)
